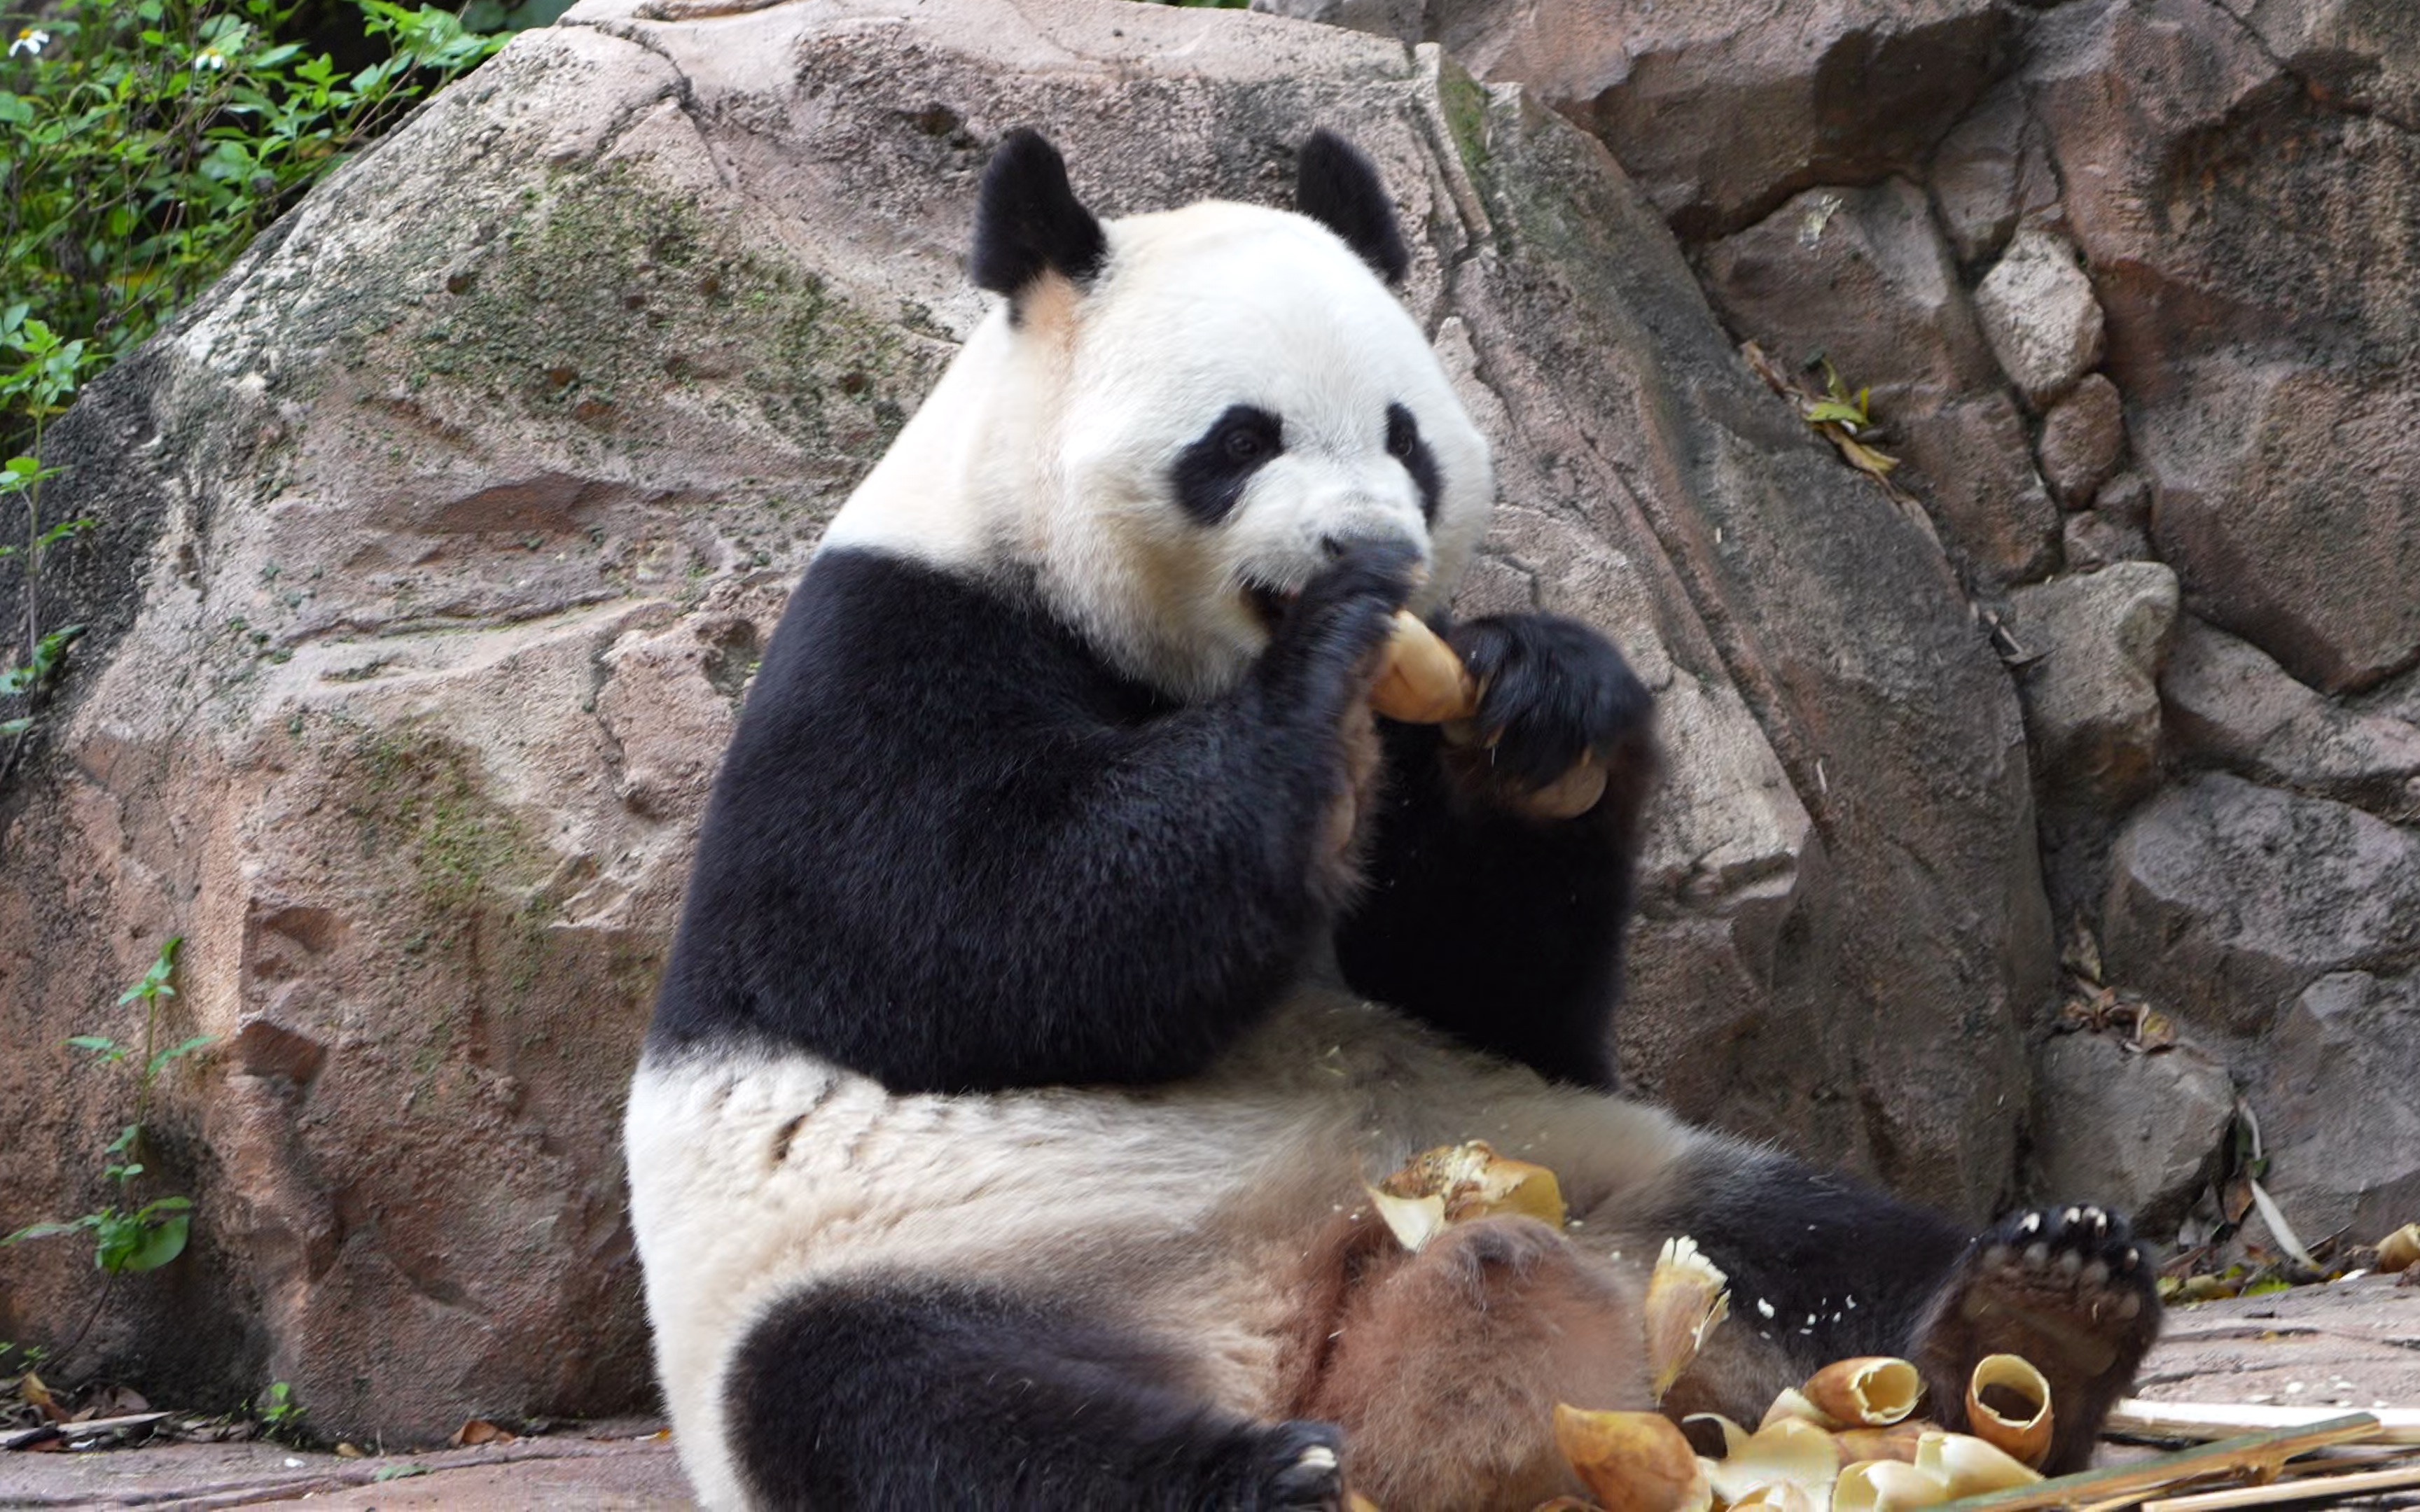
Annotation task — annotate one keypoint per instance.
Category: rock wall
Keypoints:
(440, 538)
(2132, 283)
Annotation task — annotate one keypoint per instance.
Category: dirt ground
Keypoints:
(2354, 1344)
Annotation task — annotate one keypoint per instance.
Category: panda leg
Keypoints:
(1822, 1268)
(908, 1395)
(1446, 1365)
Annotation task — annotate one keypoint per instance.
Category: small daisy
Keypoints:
(210, 57)
(29, 40)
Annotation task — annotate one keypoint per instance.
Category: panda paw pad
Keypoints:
(2066, 1283)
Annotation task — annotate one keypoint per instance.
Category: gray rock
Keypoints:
(2127, 500)
(2093, 540)
(1720, 109)
(2266, 342)
(2038, 313)
(2092, 703)
(1861, 277)
(2135, 1132)
(2226, 899)
(2083, 439)
(2338, 1120)
(2230, 705)
(1975, 175)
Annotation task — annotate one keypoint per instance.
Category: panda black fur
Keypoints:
(1067, 944)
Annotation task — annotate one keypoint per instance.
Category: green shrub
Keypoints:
(142, 147)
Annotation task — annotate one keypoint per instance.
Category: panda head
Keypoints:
(1178, 418)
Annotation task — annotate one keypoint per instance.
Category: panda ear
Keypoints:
(1338, 187)
(1029, 222)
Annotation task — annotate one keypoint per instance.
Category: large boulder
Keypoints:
(2228, 900)
(2245, 194)
(1720, 109)
(442, 534)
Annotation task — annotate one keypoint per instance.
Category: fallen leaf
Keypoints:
(478, 1431)
(1872, 1391)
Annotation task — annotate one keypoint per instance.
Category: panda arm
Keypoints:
(952, 850)
(1497, 927)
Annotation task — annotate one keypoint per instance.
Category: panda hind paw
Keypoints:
(1304, 1468)
(2070, 1290)
(2070, 1282)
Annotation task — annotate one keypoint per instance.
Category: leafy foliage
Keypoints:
(142, 147)
(145, 144)
(131, 1240)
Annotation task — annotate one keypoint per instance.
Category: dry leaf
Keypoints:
(350, 1451)
(1685, 1298)
(1897, 1442)
(1632, 1461)
(1355, 1502)
(1872, 1391)
(479, 1430)
(2016, 1416)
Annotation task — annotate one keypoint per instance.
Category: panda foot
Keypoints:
(1301, 1469)
(2066, 1288)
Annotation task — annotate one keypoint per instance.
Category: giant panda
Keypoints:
(1068, 944)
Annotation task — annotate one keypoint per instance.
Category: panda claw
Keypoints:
(1310, 1478)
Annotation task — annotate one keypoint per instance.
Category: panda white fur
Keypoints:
(1067, 944)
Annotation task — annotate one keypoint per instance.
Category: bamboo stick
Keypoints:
(2251, 1454)
(2292, 1490)
(2203, 1421)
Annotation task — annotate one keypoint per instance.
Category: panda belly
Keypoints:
(1221, 1217)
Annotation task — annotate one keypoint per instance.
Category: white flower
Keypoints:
(210, 57)
(29, 40)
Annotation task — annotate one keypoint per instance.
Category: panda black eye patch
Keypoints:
(1211, 472)
(1404, 445)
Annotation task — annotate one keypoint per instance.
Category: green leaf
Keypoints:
(99, 1045)
(398, 1472)
(1818, 411)
(178, 1052)
(52, 1230)
(12, 728)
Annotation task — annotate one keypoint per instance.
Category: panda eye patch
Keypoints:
(1210, 473)
(1404, 445)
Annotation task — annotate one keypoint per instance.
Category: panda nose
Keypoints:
(1336, 544)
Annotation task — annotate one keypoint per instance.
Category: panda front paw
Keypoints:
(2067, 1288)
(1323, 647)
(1552, 691)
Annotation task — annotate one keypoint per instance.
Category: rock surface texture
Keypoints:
(441, 537)
(2165, 280)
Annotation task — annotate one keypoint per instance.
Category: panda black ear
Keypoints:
(1338, 187)
(1029, 222)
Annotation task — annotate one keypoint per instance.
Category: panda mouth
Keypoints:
(1269, 604)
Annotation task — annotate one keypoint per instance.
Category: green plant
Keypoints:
(142, 147)
(127, 1240)
(280, 1415)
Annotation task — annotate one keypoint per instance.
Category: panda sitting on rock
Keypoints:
(1069, 943)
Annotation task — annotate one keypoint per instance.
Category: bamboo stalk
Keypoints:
(2251, 1454)
(2292, 1490)
(2203, 1421)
